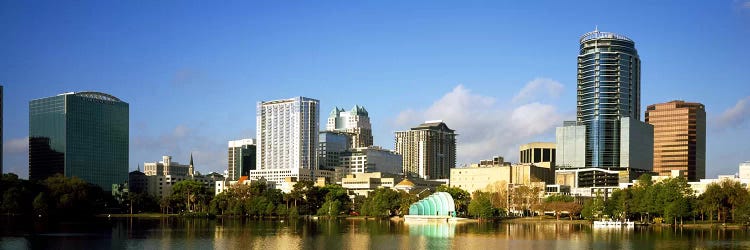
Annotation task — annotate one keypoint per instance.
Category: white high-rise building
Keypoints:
(287, 139)
(355, 122)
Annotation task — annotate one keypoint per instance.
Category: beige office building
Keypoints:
(538, 153)
(486, 178)
(679, 138)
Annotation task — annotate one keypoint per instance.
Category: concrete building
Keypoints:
(679, 138)
(361, 184)
(331, 145)
(240, 158)
(745, 170)
(355, 122)
(538, 153)
(371, 159)
(570, 145)
(428, 150)
(161, 176)
(84, 134)
(287, 135)
(487, 178)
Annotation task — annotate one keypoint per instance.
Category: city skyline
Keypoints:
(193, 89)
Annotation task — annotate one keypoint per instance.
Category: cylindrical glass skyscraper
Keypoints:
(609, 80)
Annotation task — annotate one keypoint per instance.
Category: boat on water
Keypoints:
(613, 224)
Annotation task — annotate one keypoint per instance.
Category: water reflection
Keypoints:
(237, 233)
(432, 230)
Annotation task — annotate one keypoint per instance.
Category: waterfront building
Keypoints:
(428, 150)
(538, 153)
(83, 134)
(287, 135)
(240, 158)
(492, 177)
(161, 176)
(609, 89)
(355, 122)
(679, 138)
(361, 184)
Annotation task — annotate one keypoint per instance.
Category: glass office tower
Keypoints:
(608, 92)
(82, 134)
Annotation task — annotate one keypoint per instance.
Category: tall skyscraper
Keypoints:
(609, 86)
(679, 138)
(287, 137)
(82, 134)
(355, 121)
(428, 150)
(240, 158)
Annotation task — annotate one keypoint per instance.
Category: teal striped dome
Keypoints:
(440, 203)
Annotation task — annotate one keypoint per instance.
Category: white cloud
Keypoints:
(535, 88)
(16, 146)
(734, 116)
(485, 128)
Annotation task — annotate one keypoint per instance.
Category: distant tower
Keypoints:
(428, 150)
(609, 98)
(191, 168)
(679, 138)
(287, 138)
(356, 122)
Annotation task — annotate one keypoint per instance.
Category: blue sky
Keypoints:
(501, 74)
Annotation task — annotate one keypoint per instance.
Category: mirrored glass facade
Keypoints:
(608, 90)
(81, 134)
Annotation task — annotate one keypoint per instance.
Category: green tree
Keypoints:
(593, 208)
(460, 197)
(193, 194)
(381, 202)
(480, 205)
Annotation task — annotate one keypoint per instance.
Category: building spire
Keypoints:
(596, 28)
(191, 170)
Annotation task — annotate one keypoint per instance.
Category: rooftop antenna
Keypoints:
(596, 28)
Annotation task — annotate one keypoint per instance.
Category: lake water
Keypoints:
(181, 233)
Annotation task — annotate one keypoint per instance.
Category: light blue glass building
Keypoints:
(82, 134)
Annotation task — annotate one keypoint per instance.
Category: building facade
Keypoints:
(609, 86)
(161, 176)
(287, 135)
(679, 138)
(745, 170)
(538, 153)
(428, 150)
(240, 158)
(371, 159)
(331, 144)
(570, 145)
(84, 134)
(356, 122)
(494, 178)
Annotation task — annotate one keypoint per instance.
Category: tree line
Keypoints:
(57, 196)
(672, 201)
